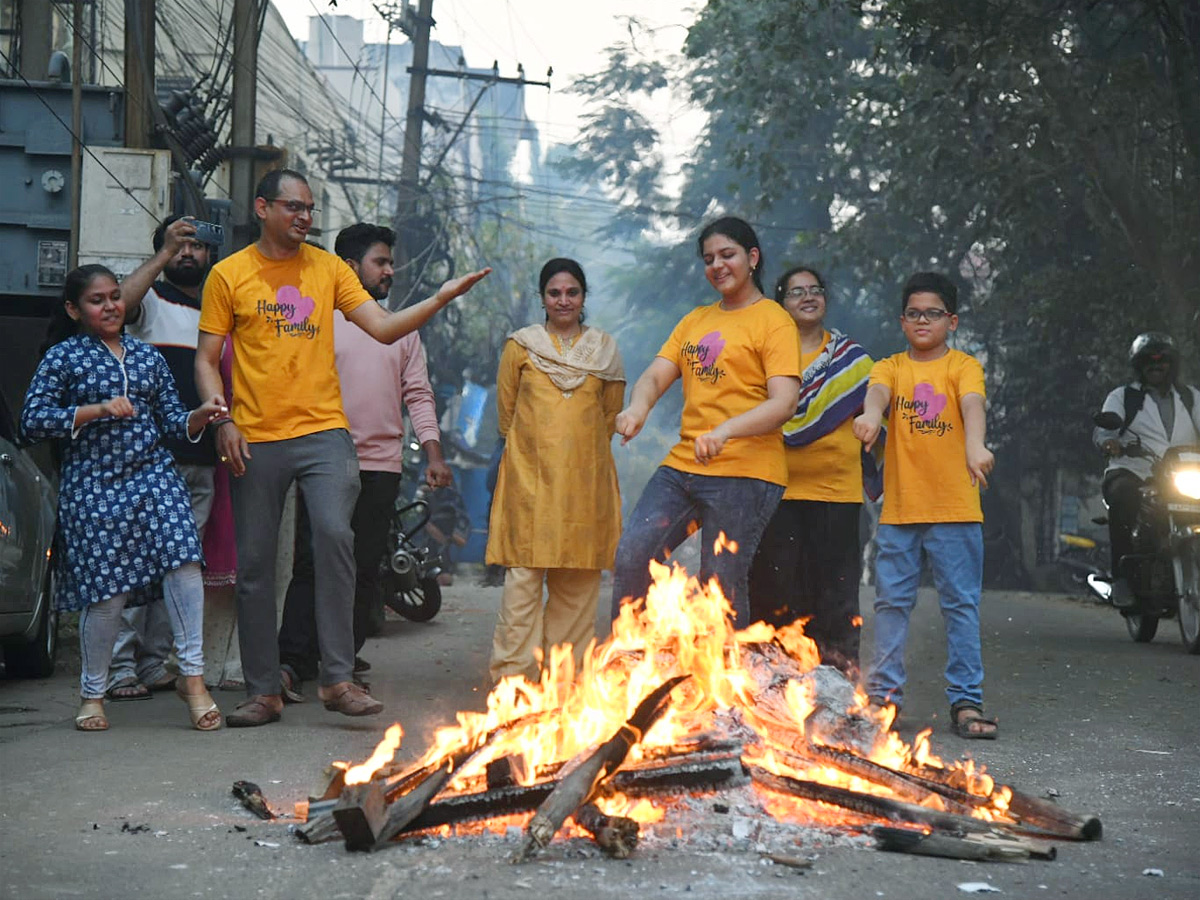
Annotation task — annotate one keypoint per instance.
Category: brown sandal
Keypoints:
(350, 699)
(200, 707)
(972, 727)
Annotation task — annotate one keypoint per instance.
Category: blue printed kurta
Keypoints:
(124, 513)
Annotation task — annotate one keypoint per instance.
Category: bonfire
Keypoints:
(677, 699)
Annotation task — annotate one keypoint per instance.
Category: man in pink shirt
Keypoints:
(376, 379)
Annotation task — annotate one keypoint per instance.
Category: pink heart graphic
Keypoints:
(295, 308)
(928, 401)
(710, 346)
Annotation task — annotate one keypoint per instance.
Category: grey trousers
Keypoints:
(145, 638)
(325, 466)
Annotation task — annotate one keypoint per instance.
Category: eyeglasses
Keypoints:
(797, 292)
(295, 207)
(929, 315)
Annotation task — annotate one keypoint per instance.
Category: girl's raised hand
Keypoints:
(118, 408)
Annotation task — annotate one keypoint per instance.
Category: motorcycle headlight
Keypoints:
(1187, 482)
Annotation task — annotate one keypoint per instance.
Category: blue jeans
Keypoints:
(955, 551)
(183, 597)
(672, 503)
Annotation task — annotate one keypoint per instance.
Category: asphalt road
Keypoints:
(145, 810)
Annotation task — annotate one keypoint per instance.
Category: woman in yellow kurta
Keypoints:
(556, 514)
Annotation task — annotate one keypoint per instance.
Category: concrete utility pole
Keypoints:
(139, 73)
(410, 163)
(77, 130)
(36, 18)
(241, 138)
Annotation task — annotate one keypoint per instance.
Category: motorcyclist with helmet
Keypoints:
(1158, 412)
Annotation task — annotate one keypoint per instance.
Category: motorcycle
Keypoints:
(1164, 570)
(409, 571)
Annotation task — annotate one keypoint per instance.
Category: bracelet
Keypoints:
(219, 422)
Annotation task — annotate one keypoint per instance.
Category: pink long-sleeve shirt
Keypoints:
(376, 378)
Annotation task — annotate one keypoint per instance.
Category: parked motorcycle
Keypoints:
(1164, 570)
(409, 572)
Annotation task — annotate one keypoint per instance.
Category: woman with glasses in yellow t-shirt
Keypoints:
(739, 363)
(808, 560)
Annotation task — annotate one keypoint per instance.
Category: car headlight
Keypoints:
(1187, 482)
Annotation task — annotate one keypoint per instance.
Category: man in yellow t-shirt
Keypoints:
(277, 298)
(934, 464)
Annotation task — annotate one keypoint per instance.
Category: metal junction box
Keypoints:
(35, 180)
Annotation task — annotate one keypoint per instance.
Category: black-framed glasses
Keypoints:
(295, 207)
(929, 315)
(800, 291)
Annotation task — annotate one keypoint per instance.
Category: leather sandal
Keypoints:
(127, 689)
(261, 709)
(91, 711)
(199, 707)
(972, 727)
(349, 699)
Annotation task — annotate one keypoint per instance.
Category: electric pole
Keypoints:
(410, 163)
(242, 126)
(77, 131)
(139, 73)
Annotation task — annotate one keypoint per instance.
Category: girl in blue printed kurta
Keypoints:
(124, 515)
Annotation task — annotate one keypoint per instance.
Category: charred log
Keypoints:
(579, 786)
(616, 835)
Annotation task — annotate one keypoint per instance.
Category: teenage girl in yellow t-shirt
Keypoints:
(739, 363)
(808, 561)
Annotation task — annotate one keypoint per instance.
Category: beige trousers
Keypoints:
(567, 617)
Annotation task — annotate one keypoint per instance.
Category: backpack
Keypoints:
(1135, 397)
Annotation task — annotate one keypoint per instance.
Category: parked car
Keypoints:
(28, 620)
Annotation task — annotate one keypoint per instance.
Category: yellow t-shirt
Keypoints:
(725, 358)
(830, 468)
(925, 477)
(280, 313)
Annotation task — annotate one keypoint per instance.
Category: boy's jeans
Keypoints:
(671, 503)
(955, 551)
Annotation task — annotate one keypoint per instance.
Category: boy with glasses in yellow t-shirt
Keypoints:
(935, 463)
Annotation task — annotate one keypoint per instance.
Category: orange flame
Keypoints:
(383, 755)
(724, 543)
(684, 627)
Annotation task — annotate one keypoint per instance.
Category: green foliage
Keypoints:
(1044, 152)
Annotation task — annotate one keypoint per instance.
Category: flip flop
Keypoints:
(91, 711)
(127, 689)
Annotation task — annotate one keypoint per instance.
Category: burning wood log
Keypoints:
(580, 785)
(904, 786)
(360, 814)
(616, 835)
(701, 771)
(978, 847)
(1053, 818)
(869, 804)
(1038, 815)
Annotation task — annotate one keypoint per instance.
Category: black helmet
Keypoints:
(1153, 346)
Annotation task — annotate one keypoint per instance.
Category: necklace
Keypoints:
(563, 344)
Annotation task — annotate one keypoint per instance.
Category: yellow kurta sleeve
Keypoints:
(508, 382)
(614, 402)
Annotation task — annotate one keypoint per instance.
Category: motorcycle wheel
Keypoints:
(419, 603)
(1142, 627)
(1189, 597)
